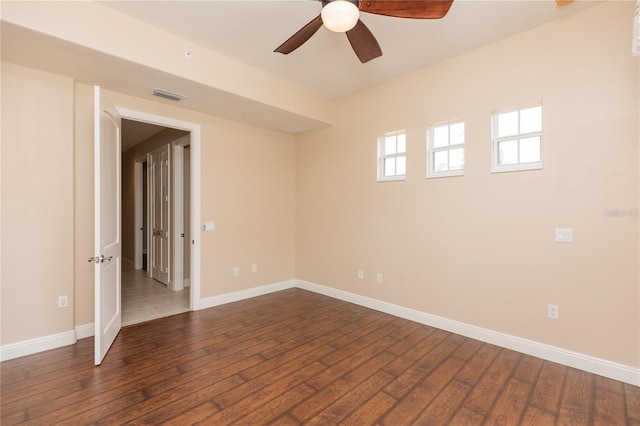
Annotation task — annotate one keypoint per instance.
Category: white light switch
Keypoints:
(208, 226)
(564, 235)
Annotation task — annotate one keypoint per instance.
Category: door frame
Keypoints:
(138, 237)
(177, 206)
(195, 162)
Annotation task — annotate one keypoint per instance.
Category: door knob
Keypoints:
(100, 259)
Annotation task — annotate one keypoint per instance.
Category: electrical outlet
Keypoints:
(379, 278)
(63, 301)
(564, 235)
(361, 275)
(236, 271)
(254, 268)
(553, 311)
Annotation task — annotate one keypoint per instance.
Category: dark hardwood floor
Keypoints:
(295, 357)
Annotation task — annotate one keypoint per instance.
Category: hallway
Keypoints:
(144, 299)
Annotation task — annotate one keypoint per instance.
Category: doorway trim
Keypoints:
(177, 201)
(139, 236)
(195, 162)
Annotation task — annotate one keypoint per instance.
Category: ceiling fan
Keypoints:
(344, 16)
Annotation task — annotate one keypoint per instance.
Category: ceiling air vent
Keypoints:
(293, 128)
(168, 95)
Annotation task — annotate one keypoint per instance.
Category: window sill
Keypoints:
(516, 167)
(445, 174)
(391, 178)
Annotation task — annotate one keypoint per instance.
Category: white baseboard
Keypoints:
(602, 367)
(85, 330)
(235, 296)
(40, 344)
(562, 356)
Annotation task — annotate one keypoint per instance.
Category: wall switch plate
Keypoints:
(254, 268)
(564, 235)
(553, 311)
(236, 271)
(360, 275)
(63, 301)
(379, 277)
(208, 226)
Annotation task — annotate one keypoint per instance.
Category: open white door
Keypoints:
(159, 256)
(108, 315)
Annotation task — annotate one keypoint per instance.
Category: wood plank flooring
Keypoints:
(295, 357)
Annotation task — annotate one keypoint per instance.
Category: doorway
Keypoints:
(149, 298)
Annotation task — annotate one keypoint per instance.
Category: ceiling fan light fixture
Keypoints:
(340, 15)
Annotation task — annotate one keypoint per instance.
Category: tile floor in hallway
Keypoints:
(145, 299)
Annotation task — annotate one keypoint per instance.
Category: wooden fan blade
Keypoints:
(418, 9)
(363, 42)
(299, 38)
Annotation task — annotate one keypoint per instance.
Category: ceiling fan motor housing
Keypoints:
(326, 2)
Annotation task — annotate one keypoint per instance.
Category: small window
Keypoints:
(445, 150)
(517, 139)
(392, 156)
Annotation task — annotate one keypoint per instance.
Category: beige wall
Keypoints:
(248, 189)
(166, 136)
(479, 248)
(37, 203)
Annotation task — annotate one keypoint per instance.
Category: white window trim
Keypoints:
(495, 166)
(430, 150)
(381, 157)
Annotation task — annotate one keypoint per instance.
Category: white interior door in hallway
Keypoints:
(160, 223)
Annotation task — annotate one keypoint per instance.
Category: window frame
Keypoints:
(382, 157)
(431, 173)
(496, 167)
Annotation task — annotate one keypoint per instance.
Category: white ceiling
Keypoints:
(249, 31)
